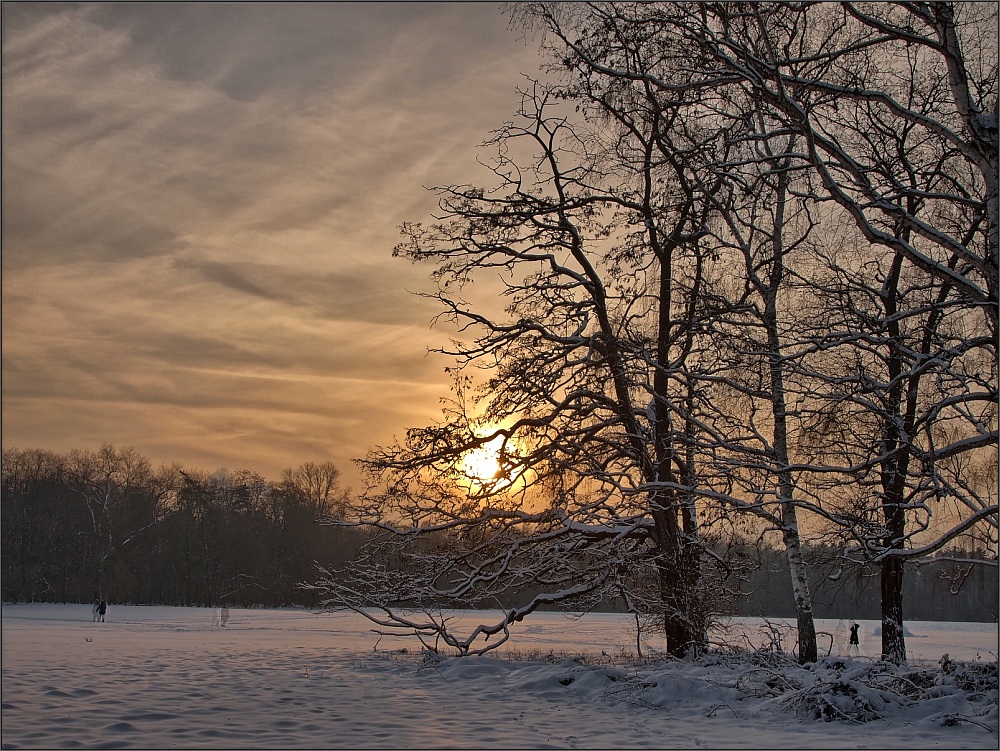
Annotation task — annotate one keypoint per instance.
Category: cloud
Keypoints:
(200, 201)
(374, 294)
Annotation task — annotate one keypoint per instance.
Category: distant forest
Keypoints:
(106, 524)
(943, 590)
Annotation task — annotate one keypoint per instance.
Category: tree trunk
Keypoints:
(896, 436)
(808, 648)
(893, 641)
(677, 581)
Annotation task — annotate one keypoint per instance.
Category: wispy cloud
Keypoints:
(199, 206)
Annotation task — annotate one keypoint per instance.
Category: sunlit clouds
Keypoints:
(200, 203)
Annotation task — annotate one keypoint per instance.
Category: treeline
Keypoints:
(946, 588)
(105, 523)
(951, 586)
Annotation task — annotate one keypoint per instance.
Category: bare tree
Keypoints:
(895, 107)
(641, 217)
(594, 378)
(614, 50)
(758, 337)
(912, 390)
(836, 71)
(319, 484)
(123, 497)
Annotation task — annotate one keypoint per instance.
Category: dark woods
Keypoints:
(105, 523)
(940, 589)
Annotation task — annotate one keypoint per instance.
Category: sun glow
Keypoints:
(481, 469)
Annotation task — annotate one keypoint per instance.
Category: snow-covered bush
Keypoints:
(976, 677)
(833, 689)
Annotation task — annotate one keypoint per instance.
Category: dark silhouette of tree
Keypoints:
(640, 213)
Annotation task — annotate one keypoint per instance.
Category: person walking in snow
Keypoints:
(855, 643)
(95, 608)
(224, 615)
(102, 609)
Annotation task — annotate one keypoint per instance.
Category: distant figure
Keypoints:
(95, 609)
(102, 609)
(840, 637)
(224, 615)
(855, 643)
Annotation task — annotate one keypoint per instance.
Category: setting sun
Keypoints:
(480, 469)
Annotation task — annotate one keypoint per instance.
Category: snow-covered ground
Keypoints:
(163, 677)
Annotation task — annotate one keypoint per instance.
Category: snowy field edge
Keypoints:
(173, 677)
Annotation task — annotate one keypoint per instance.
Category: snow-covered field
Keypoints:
(163, 677)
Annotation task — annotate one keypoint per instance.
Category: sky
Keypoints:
(200, 202)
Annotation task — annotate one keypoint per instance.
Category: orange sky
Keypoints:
(200, 203)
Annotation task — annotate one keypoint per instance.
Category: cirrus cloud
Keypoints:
(199, 206)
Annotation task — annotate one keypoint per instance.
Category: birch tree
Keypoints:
(612, 50)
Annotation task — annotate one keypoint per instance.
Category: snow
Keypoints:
(164, 677)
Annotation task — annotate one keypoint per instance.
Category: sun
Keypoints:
(482, 464)
(480, 469)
